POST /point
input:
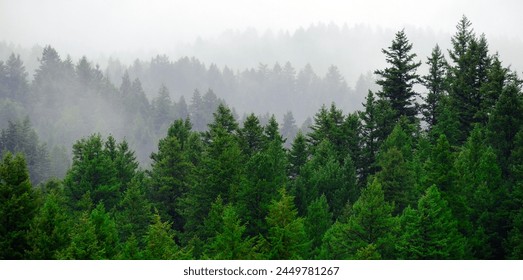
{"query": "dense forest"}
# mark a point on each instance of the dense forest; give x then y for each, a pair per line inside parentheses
(430, 168)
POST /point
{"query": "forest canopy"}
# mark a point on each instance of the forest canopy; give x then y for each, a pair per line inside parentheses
(431, 167)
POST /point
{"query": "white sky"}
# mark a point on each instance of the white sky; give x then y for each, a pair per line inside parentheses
(143, 25)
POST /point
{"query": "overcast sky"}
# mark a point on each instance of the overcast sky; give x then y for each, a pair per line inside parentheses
(100, 25)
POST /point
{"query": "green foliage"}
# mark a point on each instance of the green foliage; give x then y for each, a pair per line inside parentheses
(298, 155)
(20, 137)
(504, 122)
(317, 222)
(286, 238)
(84, 241)
(92, 172)
(263, 172)
(436, 84)
(17, 207)
(323, 174)
(171, 172)
(398, 79)
(134, 213)
(370, 223)
(159, 242)
(50, 228)
(431, 232)
(229, 242)
(251, 135)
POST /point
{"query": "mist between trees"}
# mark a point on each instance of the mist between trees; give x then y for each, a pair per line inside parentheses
(430, 167)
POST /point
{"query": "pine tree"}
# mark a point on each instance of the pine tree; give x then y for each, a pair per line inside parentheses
(171, 172)
(220, 171)
(397, 80)
(431, 231)
(159, 241)
(272, 132)
(16, 83)
(105, 231)
(286, 238)
(134, 213)
(92, 172)
(317, 222)
(298, 155)
(436, 84)
(396, 174)
(50, 228)
(229, 243)
(263, 173)
(370, 141)
(467, 75)
(289, 129)
(251, 135)
(162, 108)
(504, 122)
(370, 223)
(84, 242)
(17, 207)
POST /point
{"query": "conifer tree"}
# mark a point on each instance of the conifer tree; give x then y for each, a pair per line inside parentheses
(230, 243)
(370, 223)
(17, 207)
(398, 79)
(286, 238)
(84, 242)
(171, 173)
(50, 228)
(263, 172)
(317, 222)
(298, 155)
(160, 243)
(251, 135)
(436, 84)
(431, 231)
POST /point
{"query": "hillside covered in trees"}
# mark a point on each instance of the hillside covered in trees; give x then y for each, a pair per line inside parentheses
(430, 168)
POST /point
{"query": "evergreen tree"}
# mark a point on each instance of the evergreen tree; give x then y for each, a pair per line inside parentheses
(17, 207)
(396, 174)
(251, 135)
(20, 137)
(263, 172)
(171, 172)
(437, 229)
(287, 238)
(467, 75)
(219, 173)
(93, 173)
(84, 242)
(134, 213)
(289, 129)
(369, 135)
(298, 155)
(436, 84)
(50, 229)
(317, 222)
(230, 243)
(504, 122)
(397, 80)
(272, 132)
(16, 83)
(370, 223)
(162, 107)
(159, 241)
(105, 231)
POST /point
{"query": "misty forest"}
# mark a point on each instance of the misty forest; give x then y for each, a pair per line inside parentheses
(173, 159)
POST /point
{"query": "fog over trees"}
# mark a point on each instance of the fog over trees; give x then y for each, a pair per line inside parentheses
(327, 142)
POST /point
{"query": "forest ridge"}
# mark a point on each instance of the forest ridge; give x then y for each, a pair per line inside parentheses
(432, 175)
